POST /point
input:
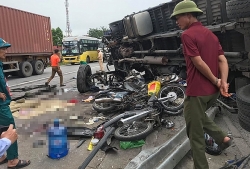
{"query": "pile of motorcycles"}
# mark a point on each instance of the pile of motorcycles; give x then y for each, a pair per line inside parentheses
(148, 102)
(140, 107)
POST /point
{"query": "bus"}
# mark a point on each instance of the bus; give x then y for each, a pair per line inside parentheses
(79, 48)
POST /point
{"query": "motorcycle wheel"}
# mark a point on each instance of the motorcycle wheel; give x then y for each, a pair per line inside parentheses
(132, 132)
(175, 103)
(104, 108)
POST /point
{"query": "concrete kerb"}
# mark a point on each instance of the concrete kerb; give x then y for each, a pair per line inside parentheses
(167, 155)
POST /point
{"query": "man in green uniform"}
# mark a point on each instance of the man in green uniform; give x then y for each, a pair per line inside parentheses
(207, 72)
(6, 117)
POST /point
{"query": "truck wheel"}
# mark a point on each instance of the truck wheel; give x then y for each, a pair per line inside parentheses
(83, 80)
(244, 122)
(38, 67)
(238, 9)
(26, 69)
(243, 103)
(243, 100)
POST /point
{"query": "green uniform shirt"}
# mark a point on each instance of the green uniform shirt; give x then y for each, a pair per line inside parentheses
(3, 88)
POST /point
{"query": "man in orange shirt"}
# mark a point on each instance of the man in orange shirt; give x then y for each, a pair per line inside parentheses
(55, 59)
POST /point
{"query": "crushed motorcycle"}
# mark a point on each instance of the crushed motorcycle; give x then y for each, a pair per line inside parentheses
(140, 125)
(131, 92)
(134, 92)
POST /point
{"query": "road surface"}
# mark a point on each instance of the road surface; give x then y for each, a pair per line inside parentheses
(69, 71)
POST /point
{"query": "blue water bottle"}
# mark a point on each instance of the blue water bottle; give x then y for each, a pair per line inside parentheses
(58, 143)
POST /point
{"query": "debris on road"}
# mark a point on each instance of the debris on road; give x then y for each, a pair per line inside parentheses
(131, 144)
(89, 99)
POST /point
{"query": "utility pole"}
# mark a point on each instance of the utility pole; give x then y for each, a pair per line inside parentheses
(68, 30)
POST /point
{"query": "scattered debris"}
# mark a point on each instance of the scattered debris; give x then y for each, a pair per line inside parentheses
(89, 99)
(131, 144)
(80, 143)
(94, 141)
(79, 132)
(39, 143)
(168, 123)
(236, 163)
(90, 146)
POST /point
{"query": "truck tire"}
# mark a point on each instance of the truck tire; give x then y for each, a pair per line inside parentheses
(83, 80)
(238, 9)
(243, 103)
(243, 100)
(26, 69)
(38, 67)
(244, 122)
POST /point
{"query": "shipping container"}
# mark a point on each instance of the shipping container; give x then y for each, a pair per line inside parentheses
(30, 38)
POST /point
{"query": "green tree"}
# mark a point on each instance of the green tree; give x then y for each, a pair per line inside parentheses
(57, 36)
(97, 32)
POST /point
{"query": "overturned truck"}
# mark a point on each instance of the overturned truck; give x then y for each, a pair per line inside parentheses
(149, 42)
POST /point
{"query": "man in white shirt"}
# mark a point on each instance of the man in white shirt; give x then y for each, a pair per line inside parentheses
(7, 138)
(100, 58)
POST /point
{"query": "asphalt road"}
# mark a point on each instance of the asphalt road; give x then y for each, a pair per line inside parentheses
(69, 71)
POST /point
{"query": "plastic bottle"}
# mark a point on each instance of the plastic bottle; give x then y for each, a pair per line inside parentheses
(90, 146)
(58, 143)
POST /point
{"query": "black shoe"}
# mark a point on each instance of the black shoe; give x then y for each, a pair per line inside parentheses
(46, 84)
(62, 85)
(211, 147)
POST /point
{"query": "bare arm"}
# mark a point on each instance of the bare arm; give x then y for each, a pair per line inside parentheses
(204, 69)
(223, 68)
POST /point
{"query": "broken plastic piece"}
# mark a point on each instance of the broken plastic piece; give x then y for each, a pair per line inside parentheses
(88, 99)
(80, 143)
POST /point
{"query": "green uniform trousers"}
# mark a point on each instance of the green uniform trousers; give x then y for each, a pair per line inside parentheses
(6, 119)
(197, 122)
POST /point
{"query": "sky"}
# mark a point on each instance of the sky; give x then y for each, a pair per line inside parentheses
(83, 14)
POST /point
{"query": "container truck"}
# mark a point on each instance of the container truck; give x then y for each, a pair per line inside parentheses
(30, 37)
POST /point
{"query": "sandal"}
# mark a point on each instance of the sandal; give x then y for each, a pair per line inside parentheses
(4, 161)
(224, 146)
(20, 164)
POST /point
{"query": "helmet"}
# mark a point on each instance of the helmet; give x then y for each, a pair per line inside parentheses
(186, 6)
(4, 44)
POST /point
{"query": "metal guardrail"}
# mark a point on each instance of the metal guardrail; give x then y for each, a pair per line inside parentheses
(167, 155)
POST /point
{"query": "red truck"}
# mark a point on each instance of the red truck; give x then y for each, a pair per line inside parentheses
(31, 42)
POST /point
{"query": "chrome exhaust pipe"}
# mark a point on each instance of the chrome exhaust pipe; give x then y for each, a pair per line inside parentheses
(108, 100)
(134, 118)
